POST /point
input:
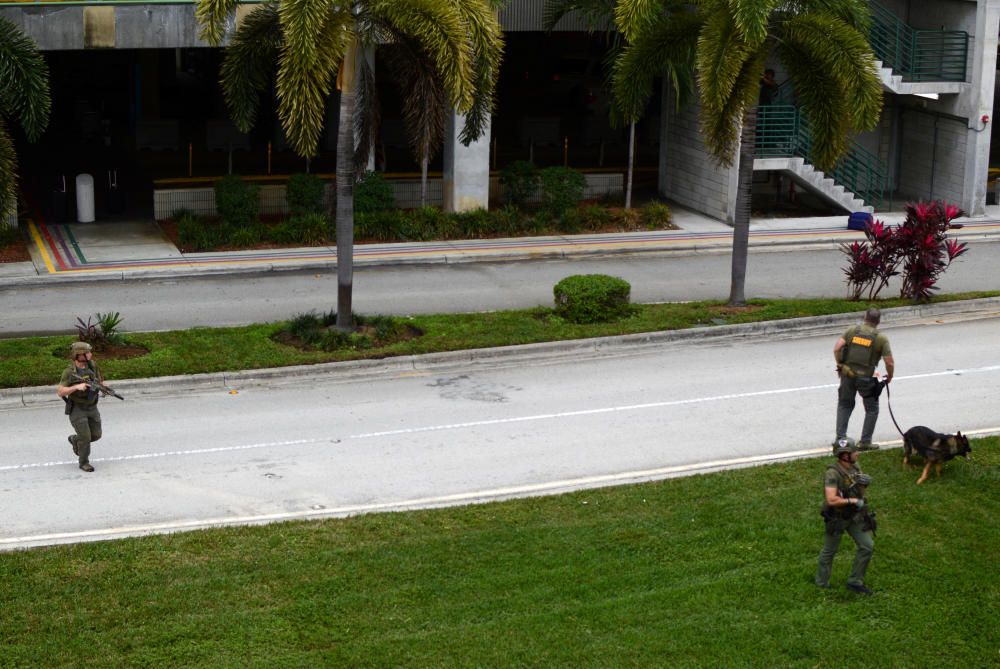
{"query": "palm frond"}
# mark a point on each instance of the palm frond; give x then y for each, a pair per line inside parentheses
(486, 38)
(721, 127)
(213, 15)
(634, 16)
(312, 50)
(753, 17)
(249, 62)
(425, 103)
(596, 14)
(24, 81)
(855, 13)
(367, 118)
(722, 56)
(666, 49)
(438, 27)
(8, 172)
(844, 54)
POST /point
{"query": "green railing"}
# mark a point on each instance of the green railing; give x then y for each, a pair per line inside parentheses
(918, 55)
(783, 131)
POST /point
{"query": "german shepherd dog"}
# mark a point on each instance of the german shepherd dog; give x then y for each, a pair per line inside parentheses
(934, 447)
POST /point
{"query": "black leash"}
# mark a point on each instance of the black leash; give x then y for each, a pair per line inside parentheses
(889, 404)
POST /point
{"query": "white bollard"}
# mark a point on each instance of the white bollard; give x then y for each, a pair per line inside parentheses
(84, 198)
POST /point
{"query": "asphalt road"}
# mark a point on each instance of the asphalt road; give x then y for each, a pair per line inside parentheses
(340, 446)
(469, 287)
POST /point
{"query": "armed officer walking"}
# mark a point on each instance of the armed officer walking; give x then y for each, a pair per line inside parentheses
(845, 509)
(857, 353)
(76, 389)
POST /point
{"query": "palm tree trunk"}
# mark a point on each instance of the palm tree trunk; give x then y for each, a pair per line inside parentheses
(345, 190)
(631, 161)
(423, 180)
(741, 221)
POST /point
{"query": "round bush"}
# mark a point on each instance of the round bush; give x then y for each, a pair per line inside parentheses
(304, 193)
(372, 193)
(519, 180)
(237, 201)
(561, 188)
(592, 298)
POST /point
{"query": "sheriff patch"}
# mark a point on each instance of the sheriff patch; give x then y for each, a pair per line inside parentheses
(861, 341)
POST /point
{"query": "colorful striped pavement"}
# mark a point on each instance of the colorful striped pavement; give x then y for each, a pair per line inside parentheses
(58, 252)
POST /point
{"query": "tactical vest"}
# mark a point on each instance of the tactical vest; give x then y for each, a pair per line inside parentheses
(860, 353)
(84, 398)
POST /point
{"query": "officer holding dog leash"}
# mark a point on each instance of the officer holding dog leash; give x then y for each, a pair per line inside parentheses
(857, 353)
(845, 509)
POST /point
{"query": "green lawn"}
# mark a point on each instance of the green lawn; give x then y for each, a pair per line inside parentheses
(38, 361)
(705, 571)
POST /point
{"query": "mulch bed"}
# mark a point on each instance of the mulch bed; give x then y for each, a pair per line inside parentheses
(409, 332)
(16, 251)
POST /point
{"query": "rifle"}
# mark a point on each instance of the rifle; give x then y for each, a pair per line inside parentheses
(97, 385)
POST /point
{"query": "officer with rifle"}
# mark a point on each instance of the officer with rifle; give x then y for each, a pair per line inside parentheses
(845, 509)
(80, 386)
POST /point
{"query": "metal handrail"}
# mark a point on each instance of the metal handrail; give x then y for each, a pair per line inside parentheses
(783, 131)
(918, 55)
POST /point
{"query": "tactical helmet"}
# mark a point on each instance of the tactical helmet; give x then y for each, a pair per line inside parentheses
(79, 348)
(845, 445)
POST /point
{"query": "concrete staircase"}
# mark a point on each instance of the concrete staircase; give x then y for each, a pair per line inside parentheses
(815, 180)
(894, 82)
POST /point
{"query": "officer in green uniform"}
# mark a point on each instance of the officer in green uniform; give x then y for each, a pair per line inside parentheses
(81, 401)
(845, 509)
(857, 353)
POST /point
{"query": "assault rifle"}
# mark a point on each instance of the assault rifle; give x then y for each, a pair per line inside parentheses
(97, 385)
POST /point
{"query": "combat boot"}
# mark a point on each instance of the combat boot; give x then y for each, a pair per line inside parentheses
(867, 446)
(72, 442)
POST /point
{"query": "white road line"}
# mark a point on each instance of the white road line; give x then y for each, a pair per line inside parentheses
(409, 504)
(495, 421)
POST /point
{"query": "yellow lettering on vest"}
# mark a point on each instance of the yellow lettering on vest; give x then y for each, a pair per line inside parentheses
(861, 341)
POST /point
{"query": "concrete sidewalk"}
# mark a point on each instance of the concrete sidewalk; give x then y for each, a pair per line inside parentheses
(140, 250)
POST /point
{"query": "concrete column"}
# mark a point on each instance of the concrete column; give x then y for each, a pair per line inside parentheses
(466, 168)
(984, 64)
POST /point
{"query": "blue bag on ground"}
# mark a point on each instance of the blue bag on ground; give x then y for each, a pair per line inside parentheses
(859, 220)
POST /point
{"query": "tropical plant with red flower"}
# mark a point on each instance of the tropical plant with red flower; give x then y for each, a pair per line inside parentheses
(926, 252)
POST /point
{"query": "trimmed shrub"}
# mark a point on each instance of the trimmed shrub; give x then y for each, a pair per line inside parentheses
(508, 221)
(472, 224)
(237, 201)
(561, 188)
(249, 236)
(304, 194)
(423, 224)
(372, 193)
(519, 180)
(629, 220)
(571, 221)
(656, 216)
(592, 298)
(309, 228)
(596, 217)
(382, 226)
(195, 233)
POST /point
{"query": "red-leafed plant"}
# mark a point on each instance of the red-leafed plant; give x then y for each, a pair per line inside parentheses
(926, 251)
(920, 245)
(873, 262)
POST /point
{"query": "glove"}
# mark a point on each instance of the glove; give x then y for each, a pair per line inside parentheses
(861, 503)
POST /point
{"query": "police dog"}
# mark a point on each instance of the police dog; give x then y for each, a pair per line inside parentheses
(935, 448)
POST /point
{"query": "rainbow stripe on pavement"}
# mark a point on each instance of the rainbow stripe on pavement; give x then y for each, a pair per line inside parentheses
(61, 253)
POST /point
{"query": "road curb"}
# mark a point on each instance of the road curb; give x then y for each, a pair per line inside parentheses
(540, 353)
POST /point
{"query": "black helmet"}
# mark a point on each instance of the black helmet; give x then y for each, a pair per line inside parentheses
(844, 445)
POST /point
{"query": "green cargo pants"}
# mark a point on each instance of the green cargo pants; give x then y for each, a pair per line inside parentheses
(866, 546)
(87, 423)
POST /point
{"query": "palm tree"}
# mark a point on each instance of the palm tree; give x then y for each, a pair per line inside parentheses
(823, 47)
(24, 95)
(660, 44)
(312, 42)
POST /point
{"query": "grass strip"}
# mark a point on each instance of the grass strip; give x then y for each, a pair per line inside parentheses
(706, 571)
(36, 361)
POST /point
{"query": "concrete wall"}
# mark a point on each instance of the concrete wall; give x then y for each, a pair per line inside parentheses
(929, 170)
(689, 175)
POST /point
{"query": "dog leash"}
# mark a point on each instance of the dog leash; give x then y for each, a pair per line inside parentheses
(888, 403)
